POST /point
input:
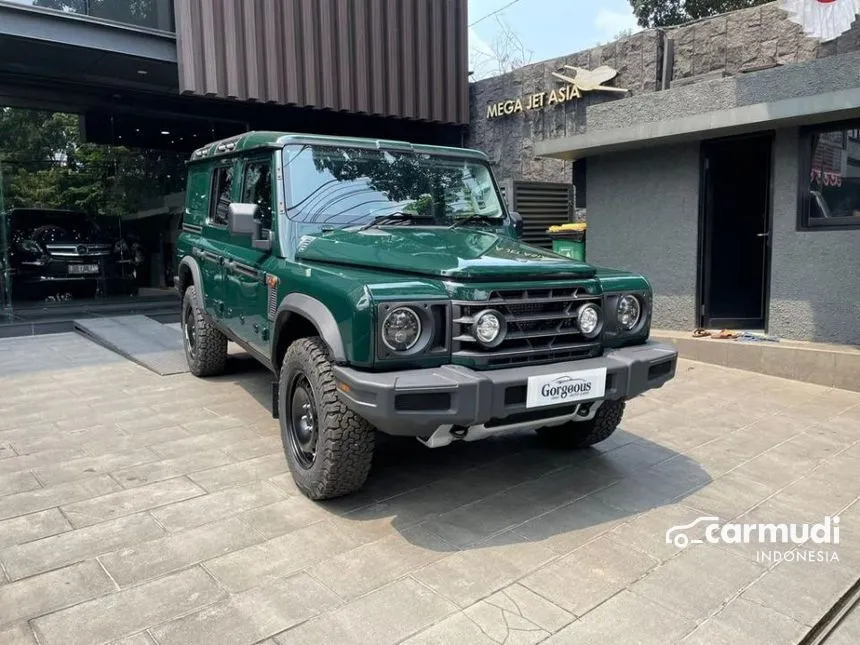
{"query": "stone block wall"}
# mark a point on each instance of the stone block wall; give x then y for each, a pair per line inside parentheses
(509, 139)
(747, 40)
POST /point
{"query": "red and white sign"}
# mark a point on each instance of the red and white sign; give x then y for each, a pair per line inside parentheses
(822, 19)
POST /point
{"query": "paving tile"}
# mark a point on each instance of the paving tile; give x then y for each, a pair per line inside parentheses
(90, 466)
(48, 592)
(54, 439)
(214, 506)
(240, 473)
(677, 584)
(374, 565)
(44, 498)
(19, 482)
(455, 630)
(157, 557)
(383, 617)
(255, 448)
(647, 532)
(467, 576)
(729, 496)
(20, 634)
(571, 526)
(198, 443)
(597, 571)
(129, 611)
(283, 517)
(213, 424)
(138, 639)
(251, 616)
(32, 527)
(803, 591)
(6, 450)
(126, 442)
(154, 471)
(73, 546)
(279, 557)
(518, 615)
(620, 617)
(742, 622)
(126, 502)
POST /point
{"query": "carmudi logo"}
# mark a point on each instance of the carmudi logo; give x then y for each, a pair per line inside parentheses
(564, 387)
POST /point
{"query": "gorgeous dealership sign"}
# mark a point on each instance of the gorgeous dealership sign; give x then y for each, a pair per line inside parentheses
(574, 87)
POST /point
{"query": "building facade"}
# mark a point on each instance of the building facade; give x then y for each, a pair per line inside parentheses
(728, 173)
(166, 76)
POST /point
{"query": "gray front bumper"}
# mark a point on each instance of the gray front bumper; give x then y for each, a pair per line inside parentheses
(417, 402)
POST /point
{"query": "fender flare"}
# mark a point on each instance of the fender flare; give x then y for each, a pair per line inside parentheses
(320, 317)
(196, 276)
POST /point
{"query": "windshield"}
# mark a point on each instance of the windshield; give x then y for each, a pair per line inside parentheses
(344, 186)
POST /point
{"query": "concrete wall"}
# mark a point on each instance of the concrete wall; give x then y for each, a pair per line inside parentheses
(643, 216)
(808, 78)
(815, 275)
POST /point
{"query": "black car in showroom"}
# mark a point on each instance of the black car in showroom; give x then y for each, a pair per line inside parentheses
(62, 254)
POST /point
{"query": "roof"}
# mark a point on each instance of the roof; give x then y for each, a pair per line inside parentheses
(269, 139)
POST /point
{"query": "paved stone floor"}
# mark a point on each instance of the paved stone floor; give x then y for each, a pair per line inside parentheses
(143, 509)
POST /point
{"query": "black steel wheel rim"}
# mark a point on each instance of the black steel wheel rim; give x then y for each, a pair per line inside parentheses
(190, 332)
(302, 425)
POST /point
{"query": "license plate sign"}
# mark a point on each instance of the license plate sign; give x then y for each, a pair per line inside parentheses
(83, 269)
(567, 387)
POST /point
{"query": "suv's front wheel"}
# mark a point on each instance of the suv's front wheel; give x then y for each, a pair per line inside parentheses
(329, 448)
(205, 346)
(581, 434)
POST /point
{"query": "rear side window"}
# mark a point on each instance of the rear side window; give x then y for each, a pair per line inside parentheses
(197, 191)
(222, 186)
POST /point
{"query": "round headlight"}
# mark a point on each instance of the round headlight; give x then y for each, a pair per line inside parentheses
(489, 328)
(629, 312)
(401, 329)
(588, 320)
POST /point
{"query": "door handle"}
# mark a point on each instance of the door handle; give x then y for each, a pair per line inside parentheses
(762, 234)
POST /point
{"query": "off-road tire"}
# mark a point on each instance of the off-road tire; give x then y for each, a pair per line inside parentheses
(345, 441)
(209, 356)
(582, 434)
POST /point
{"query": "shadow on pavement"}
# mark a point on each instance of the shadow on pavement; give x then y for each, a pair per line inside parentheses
(508, 489)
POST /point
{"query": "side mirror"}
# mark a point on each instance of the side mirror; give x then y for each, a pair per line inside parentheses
(517, 220)
(243, 219)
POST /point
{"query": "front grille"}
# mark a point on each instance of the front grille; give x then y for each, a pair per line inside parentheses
(541, 327)
(78, 250)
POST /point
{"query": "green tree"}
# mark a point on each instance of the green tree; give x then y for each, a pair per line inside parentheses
(664, 13)
(46, 165)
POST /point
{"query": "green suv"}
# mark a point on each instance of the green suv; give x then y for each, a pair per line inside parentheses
(385, 286)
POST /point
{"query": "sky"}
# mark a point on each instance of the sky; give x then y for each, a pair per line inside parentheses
(546, 28)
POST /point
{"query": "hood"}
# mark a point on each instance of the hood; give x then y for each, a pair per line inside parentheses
(461, 253)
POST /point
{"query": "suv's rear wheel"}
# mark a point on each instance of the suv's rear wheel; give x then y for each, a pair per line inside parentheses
(581, 434)
(328, 447)
(205, 346)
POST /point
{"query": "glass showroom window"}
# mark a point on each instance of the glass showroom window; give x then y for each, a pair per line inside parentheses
(830, 178)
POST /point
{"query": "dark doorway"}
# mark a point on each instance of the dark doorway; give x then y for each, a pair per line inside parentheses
(735, 232)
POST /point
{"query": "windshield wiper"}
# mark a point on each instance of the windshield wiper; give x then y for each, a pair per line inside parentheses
(397, 216)
(474, 216)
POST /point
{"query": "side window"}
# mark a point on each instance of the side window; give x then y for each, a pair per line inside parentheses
(257, 189)
(222, 185)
